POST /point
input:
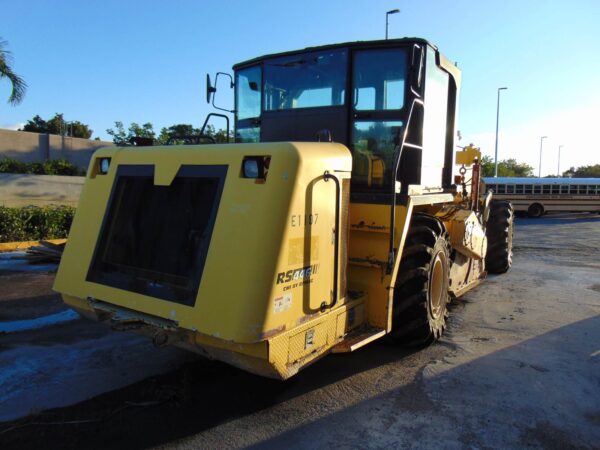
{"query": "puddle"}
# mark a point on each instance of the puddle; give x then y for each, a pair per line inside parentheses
(8, 262)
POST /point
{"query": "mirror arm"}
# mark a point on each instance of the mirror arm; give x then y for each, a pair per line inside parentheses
(231, 86)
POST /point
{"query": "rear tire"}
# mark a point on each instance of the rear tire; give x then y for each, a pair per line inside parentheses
(536, 210)
(421, 294)
(499, 232)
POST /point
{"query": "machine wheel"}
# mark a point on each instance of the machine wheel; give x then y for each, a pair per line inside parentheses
(499, 233)
(535, 210)
(421, 293)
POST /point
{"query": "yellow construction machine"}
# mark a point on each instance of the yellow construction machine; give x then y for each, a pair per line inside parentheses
(341, 214)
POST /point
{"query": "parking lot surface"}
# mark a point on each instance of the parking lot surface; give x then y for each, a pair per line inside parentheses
(519, 367)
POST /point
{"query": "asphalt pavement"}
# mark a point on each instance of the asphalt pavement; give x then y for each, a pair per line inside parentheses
(519, 367)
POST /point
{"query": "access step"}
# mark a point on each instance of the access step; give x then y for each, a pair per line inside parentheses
(357, 339)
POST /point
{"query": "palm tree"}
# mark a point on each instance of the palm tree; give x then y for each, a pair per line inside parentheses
(18, 84)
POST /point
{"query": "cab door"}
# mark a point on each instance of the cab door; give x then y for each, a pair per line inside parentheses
(377, 108)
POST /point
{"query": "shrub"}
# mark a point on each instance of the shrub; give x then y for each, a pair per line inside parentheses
(60, 167)
(34, 223)
(52, 167)
(12, 166)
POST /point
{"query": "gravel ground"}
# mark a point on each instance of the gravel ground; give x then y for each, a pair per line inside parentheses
(518, 368)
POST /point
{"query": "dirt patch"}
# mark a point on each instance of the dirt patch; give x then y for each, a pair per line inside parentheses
(18, 285)
(595, 287)
(28, 296)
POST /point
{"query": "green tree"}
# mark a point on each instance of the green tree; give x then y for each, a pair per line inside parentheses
(58, 125)
(220, 136)
(122, 137)
(583, 172)
(18, 84)
(176, 134)
(186, 134)
(506, 168)
(36, 125)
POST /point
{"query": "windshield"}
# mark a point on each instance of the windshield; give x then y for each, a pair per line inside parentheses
(305, 81)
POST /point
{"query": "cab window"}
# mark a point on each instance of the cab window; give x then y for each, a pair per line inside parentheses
(248, 82)
(379, 77)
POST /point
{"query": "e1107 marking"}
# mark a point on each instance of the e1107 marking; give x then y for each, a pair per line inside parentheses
(306, 220)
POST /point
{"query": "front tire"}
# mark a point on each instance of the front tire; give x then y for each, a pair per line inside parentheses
(421, 294)
(499, 232)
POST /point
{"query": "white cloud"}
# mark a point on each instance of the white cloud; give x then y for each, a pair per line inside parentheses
(576, 129)
(14, 126)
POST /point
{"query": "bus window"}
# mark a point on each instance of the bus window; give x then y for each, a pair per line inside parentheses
(555, 189)
(582, 189)
(546, 189)
(510, 188)
(519, 189)
(537, 189)
(501, 189)
(492, 187)
(528, 189)
(564, 189)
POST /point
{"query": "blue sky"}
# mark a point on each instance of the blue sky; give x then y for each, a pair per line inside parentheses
(145, 61)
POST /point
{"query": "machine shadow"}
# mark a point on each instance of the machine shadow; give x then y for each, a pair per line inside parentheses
(520, 407)
(196, 397)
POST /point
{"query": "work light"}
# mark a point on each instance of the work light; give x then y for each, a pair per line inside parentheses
(255, 166)
(103, 165)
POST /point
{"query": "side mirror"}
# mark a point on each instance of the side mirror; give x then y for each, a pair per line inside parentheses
(210, 89)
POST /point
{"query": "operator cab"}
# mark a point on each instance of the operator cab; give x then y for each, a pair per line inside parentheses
(392, 103)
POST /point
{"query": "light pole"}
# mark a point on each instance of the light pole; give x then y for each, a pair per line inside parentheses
(558, 169)
(497, 120)
(393, 11)
(541, 146)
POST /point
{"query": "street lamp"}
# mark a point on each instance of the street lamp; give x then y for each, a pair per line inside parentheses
(558, 169)
(393, 11)
(541, 145)
(497, 119)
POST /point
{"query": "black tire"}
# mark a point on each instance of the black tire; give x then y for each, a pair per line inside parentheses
(421, 293)
(499, 231)
(535, 210)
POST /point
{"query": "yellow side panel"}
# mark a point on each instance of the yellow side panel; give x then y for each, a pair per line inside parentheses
(368, 257)
(305, 342)
(292, 350)
(348, 320)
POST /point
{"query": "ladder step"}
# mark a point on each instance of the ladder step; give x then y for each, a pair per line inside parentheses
(357, 339)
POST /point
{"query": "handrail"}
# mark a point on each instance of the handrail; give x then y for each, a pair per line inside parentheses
(338, 190)
(216, 115)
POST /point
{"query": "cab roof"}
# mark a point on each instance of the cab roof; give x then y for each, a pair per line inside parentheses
(443, 62)
(352, 45)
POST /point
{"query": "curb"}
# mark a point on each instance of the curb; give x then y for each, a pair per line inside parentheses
(14, 246)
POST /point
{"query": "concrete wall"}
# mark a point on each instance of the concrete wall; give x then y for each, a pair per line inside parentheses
(35, 147)
(39, 190)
